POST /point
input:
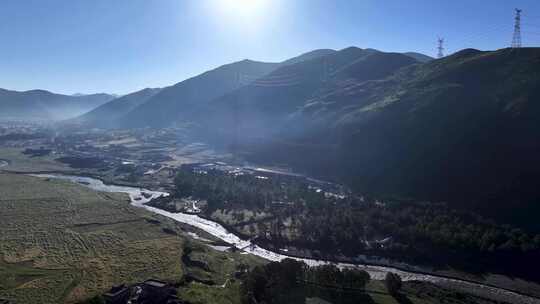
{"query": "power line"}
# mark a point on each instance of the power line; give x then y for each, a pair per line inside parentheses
(529, 17)
(265, 85)
(532, 33)
(518, 30)
(489, 29)
(270, 80)
(268, 77)
(491, 36)
(524, 25)
(480, 35)
(516, 39)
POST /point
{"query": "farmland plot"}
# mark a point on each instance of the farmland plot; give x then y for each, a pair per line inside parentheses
(61, 242)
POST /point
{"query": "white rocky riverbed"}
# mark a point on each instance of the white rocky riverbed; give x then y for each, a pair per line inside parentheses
(377, 272)
(3, 163)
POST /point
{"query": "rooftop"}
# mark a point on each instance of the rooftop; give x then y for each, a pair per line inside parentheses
(155, 283)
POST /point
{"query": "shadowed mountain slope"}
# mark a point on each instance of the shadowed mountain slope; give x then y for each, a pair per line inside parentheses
(259, 108)
(44, 105)
(463, 129)
(107, 115)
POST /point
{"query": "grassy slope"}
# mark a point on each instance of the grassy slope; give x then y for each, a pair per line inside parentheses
(25, 163)
(222, 267)
(57, 247)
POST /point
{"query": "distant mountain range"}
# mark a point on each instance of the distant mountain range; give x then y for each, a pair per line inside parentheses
(172, 105)
(149, 107)
(261, 108)
(462, 129)
(176, 103)
(108, 114)
(43, 105)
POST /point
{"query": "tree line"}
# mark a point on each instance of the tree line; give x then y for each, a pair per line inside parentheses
(291, 281)
(418, 232)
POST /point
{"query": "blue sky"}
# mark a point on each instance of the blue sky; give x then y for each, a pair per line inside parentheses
(119, 46)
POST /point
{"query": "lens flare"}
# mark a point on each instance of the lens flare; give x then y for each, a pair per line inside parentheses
(244, 9)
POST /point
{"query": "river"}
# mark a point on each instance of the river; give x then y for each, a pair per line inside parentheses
(376, 272)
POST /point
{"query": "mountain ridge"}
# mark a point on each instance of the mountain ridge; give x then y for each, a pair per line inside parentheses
(45, 105)
(107, 114)
(416, 133)
(256, 107)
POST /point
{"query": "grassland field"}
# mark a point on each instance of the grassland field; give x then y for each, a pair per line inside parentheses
(61, 243)
(19, 162)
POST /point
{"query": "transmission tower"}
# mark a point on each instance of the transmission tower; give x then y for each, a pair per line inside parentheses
(516, 39)
(440, 48)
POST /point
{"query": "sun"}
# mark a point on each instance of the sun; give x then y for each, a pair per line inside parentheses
(244, 9)
(243, 17)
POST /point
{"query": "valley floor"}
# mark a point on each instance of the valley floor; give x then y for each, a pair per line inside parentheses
(57, 247)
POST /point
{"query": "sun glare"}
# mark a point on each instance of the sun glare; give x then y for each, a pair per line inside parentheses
(244, 9)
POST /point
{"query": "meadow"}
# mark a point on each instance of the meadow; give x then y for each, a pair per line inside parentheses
(20, 162)
(61, 242)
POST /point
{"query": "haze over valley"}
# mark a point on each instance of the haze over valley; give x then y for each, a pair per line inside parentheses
(356, 171)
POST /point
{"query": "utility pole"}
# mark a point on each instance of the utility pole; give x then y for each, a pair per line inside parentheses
(440, 48)
(516, 39)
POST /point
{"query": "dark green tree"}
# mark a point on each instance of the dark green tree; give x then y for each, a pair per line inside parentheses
(393, 283)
